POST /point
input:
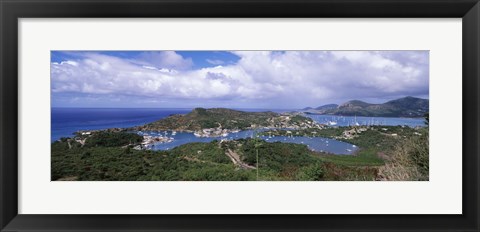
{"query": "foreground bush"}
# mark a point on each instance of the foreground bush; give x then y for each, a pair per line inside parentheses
(409, 160)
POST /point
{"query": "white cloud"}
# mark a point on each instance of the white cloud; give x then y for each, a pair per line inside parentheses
(282, 77)
(164, 60)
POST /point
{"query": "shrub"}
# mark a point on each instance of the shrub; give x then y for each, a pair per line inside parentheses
(410, 160)
(312, 172)
(112, 139)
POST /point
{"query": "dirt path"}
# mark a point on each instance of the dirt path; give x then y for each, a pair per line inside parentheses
(82, 142)
(236, 160)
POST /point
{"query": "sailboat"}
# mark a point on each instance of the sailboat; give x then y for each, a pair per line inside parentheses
(356, 123)
(331, 123)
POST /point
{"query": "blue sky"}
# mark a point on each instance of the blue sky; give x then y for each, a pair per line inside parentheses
(200, 59)
(236, 79)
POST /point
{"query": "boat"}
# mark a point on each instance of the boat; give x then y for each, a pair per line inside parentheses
(331, 123)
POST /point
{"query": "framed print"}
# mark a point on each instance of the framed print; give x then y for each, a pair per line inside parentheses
(250, 116)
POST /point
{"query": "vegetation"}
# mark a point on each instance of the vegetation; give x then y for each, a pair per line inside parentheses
(201, 118)
(409, 160)
(379, 147)
(195, 162)
(385, 153)
(112, 139)
(113, 163)
(311, 172)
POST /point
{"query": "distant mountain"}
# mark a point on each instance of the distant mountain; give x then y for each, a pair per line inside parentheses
(327, 107)
(320, 109)
(409, 103)
(402, 107)
(354, 104)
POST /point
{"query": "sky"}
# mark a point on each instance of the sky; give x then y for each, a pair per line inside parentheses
(234, 79)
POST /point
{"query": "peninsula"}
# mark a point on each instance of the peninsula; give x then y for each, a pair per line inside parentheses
(221, 121)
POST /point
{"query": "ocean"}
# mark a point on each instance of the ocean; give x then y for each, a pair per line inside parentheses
(66, 121)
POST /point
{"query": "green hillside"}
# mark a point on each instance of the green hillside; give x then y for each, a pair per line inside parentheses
(201, 118)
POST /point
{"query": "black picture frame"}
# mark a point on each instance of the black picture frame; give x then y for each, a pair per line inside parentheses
(12, 10)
